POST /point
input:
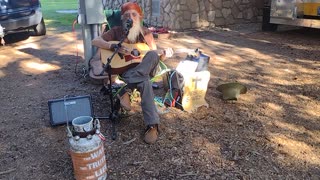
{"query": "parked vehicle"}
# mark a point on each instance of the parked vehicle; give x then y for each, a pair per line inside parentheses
(303, 13)
(17, 15)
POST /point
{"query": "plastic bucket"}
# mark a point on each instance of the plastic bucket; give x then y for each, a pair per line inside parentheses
(83, 124)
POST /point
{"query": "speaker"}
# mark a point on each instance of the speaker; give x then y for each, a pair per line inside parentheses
(66, 109)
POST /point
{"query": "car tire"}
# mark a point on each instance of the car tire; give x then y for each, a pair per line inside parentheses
(40, 29)
(266, 25)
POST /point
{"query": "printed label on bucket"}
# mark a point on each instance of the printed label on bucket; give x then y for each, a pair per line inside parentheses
(90, 165)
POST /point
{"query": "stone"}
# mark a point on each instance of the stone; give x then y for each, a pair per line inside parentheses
(174, 10)
(183, 2)
(194, 25)
(164, 3)
(226, 4)
(208, 5)
(184, 8)
(187, 15)
(184, 14)
(220, 21)
(172, 17)
(211, 16)
(217, 3)
(259, 18)
(204, 15)
(230, 20)
(202, 7)
(226, 12)
(166, 24)
(177, 25)
(166, 17)
(212, 25)
(178, 7)
(167, 8)
(218, 14)
(235, 11)
(245, 1)
(194, 18)
(242, 7)
(203, 23)
(249, 14)
(186, 24)
(193, 6)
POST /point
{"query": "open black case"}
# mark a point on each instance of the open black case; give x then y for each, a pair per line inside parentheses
(66, 109)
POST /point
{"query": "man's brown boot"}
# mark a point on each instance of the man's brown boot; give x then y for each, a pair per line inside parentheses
(151, 135)
(125, 101)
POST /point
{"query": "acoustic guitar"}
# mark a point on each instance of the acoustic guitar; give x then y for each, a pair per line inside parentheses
(121, 64)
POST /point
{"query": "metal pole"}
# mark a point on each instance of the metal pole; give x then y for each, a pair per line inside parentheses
(90, 16)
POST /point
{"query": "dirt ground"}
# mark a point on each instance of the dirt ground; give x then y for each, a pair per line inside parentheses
(272, 132)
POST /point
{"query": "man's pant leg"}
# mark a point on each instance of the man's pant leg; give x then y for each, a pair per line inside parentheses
(149, 109)
(144, 70)
(139, 77)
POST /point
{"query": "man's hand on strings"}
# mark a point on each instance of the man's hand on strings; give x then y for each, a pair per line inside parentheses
(122, 49)
(113, 47)
(167, 53)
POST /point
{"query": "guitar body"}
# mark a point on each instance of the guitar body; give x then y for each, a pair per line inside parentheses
(121, 64)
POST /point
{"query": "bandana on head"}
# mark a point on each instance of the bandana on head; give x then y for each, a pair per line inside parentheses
(131, 6)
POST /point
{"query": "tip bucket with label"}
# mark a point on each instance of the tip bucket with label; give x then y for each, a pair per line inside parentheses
(87, 149)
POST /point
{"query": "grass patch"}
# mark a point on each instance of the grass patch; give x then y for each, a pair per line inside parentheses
(53, 19)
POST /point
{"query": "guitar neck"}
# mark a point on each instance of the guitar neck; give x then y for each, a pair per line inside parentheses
(143, 48)
(174, 51)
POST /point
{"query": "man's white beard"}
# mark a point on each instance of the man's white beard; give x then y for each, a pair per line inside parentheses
(134, 32)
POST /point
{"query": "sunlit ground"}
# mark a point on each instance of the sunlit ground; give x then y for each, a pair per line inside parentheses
(60, 44)
(267, 74)
(286, 117)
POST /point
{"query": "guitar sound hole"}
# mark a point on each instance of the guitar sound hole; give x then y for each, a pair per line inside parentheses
(135, 52)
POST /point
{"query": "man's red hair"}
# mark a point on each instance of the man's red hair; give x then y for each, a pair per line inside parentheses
(131, 6)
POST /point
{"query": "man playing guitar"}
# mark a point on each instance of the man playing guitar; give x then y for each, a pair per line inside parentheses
(136, 76)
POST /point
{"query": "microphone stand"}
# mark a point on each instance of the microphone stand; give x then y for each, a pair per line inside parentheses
(115, 105)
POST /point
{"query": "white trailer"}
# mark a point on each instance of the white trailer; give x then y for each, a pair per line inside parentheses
(304, 13)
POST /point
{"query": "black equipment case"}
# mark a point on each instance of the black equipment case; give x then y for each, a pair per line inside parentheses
(66, 109)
